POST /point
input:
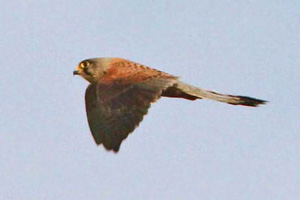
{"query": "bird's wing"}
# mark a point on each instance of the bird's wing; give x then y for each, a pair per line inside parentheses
(116, 105)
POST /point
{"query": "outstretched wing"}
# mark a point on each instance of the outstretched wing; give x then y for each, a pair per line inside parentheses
(116, 106)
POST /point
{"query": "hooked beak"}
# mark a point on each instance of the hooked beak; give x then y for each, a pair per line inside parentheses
(76, 72)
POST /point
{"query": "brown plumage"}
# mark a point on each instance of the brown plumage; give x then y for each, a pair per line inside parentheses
(121, 92)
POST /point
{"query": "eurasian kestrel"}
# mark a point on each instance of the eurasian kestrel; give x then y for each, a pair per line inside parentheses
(121, 91)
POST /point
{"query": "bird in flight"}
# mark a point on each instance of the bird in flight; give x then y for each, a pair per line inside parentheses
(121, 91)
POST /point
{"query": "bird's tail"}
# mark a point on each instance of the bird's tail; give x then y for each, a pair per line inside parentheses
(190, 92)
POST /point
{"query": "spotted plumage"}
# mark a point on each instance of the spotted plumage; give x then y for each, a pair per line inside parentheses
(121, 92)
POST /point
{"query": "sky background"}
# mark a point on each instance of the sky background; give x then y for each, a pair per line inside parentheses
(183, 149)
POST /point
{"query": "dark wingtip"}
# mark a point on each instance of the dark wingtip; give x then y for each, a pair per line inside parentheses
(116, 148)
(249, 101)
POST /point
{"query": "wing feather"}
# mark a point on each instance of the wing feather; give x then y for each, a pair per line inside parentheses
(116, 107)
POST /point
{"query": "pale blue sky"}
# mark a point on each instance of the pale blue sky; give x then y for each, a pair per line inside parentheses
(182, 149)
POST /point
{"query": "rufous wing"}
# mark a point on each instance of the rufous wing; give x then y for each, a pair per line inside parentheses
(116, 105)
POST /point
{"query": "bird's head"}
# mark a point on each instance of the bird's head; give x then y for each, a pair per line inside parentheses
(90, 69)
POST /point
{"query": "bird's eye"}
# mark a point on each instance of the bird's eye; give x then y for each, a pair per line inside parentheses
(84, 65)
